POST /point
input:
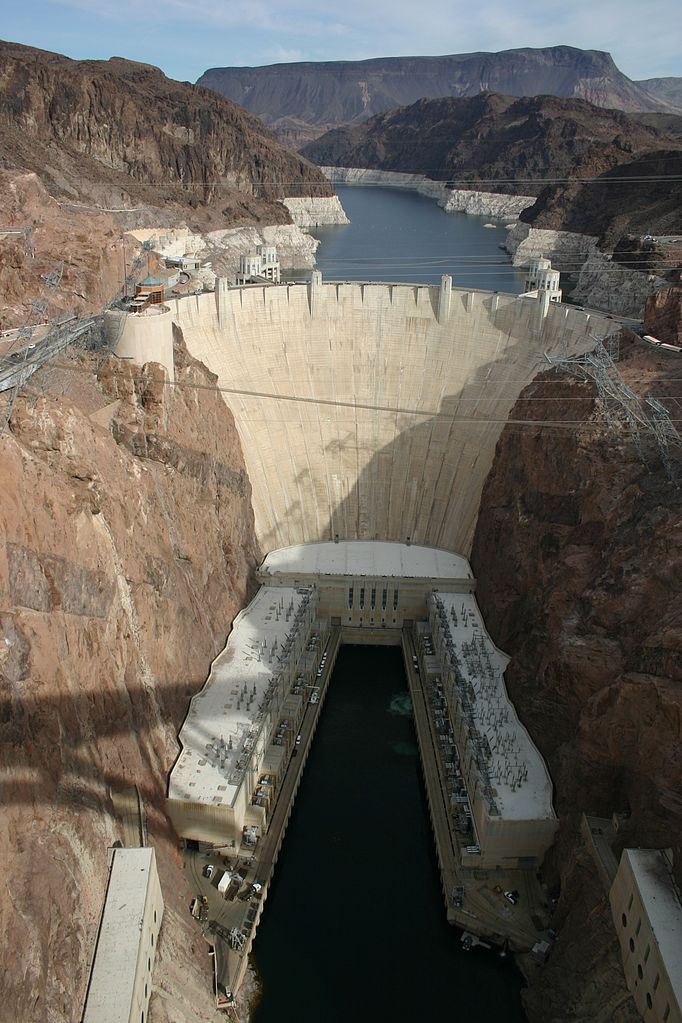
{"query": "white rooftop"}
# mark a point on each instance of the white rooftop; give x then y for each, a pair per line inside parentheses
(224, 719)
(113, 973)
(518, 776)
(652, 875)
(368, 559)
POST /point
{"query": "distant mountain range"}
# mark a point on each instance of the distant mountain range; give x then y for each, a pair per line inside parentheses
(667, 89)
(300, 101)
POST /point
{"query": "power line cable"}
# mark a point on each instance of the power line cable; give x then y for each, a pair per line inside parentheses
(372, 407)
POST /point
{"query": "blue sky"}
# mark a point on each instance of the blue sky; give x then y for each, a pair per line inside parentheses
(184, 37)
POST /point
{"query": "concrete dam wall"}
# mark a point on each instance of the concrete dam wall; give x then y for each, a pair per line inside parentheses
(371, 411)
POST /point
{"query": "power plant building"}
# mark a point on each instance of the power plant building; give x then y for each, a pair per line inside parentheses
(369, 585)
(121, 977)
(241, 725)
(647, 914)
(238, 733)
(508, 788)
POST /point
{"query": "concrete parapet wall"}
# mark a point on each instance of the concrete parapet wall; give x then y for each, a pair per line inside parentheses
(364, 416)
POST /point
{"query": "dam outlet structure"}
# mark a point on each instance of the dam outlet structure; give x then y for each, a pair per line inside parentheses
(248, 732)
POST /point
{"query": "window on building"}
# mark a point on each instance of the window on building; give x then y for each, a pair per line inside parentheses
(639, 926)
(647, 950)
(632, 944)
(350, 596)
(395, 599)
(656, 980)
(373, 598)
(640, 971)
(649, 1001)
(384, 598)
(630, 902)
(362, 597)
(624, 920)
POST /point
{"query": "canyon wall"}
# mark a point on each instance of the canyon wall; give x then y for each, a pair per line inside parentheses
(372, 410)
(128, 547)
(578, 556)
(566, 249)
(609, 285)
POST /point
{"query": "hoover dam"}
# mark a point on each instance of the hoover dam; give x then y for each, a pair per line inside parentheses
(368, 415)
(371, 411)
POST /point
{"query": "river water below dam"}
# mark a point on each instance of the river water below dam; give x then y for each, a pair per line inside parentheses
(354, 927)
(397, 235)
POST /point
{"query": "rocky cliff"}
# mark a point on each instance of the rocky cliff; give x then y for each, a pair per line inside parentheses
(594, 171)
(119, 134)
(640, 195)
(301, 100)
(578, 554)
(490, 138)
(663, 315)
(667, 89)
(127, 549)
(91, 148)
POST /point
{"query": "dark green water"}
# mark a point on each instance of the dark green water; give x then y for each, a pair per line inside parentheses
(354, 928)
(402, 236)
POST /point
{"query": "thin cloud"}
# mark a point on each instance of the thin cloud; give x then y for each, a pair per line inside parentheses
(189, 37)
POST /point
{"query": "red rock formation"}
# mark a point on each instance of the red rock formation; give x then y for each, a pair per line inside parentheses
(88, 247)
(127, 551)
(578, 553)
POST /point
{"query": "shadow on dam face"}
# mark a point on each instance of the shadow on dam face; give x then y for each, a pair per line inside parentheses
(364, 411)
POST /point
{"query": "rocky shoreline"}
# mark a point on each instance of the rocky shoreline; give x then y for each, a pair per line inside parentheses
(314, 211)
(485, 204)
(296, 248)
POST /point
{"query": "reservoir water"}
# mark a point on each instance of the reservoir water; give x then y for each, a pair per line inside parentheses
(354, 927)
(397, 235)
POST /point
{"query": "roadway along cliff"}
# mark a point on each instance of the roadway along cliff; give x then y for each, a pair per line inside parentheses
(578, 554)
(128, 548)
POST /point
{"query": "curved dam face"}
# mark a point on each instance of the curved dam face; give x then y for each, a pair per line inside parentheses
(371, 411)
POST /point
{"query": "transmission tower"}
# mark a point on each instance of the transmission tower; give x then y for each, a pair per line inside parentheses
(623, 410)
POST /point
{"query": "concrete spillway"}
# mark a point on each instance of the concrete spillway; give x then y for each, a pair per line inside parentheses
(371, 411)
